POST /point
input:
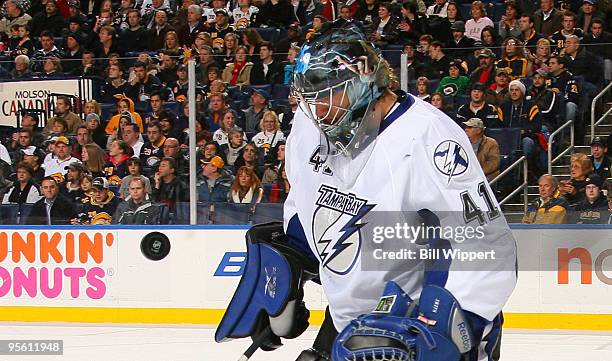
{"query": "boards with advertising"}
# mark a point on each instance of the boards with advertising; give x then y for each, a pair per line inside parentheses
(101, 275)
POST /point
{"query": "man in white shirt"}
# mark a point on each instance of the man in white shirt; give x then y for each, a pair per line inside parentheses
(131, 135)
(62, 158)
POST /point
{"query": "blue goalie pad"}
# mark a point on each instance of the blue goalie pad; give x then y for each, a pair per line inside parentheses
(394, 331)
(271, 286)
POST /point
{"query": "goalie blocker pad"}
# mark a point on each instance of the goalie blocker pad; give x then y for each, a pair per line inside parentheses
(399, 330)
(270, 291)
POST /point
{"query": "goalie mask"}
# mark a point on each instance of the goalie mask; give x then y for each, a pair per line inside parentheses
(338, 78)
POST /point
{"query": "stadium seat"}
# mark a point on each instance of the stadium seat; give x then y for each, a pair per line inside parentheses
(231, 213)
(174, 107)
(509, 140)
(393, 54)
(280, 91)
(108, 109)
(268, 34)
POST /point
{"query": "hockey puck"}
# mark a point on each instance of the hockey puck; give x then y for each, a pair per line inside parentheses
(155, 246)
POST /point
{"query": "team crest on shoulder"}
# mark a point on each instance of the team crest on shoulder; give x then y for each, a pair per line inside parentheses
(450, 159)
(336, 225)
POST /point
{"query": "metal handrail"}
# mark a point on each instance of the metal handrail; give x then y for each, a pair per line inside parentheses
(593, 103)
(569, 123)
(522, 187)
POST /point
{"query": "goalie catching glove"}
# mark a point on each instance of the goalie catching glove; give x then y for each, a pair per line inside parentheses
(399, 330)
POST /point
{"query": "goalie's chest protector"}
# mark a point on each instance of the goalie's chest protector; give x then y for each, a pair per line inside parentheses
(400, 175)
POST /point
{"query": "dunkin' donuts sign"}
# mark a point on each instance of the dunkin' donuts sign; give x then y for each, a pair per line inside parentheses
(50, 265)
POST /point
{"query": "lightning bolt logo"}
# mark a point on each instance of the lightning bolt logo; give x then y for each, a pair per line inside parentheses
(450, 159)
(345, 240)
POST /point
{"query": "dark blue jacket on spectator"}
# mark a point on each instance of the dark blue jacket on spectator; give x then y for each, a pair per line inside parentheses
(218, 192)
(525, 115)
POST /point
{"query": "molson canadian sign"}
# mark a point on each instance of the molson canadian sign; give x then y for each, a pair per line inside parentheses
(56, 264)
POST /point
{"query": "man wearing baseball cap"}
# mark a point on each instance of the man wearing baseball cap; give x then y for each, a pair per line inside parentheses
(455, 83)
(61, 157)
(32, 156)
(213, 183)
(486, 149)
(599, 157)
(594, 208)
(220, 28)
(100, 207)
(485, 72)
(461, 43)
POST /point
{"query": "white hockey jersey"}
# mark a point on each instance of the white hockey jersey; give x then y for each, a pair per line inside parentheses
(421, 160)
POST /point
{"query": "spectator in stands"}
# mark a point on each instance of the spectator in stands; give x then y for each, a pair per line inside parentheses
(499, 91)
(254, 114)
(437, 9)
(168, 188)
(249, 157)
(594, 208)
(289, 65)
(573, 189)
(57, 164)
(138, 207)
(21, 139)
(233, 148)
(135, 171)
(563, 83)
(587, 14)
(143, 85)
(478, 108)
(414, 61)
(100, 207)
(32, 157)
(125, 109)
(474, 26)
(598, 41)
(116, 166)
(156, 103)
(156, 35)
(243, 13)
(89, 66)
(24, 190)
(252, 41)
(455, 83)
(47, 49)
(171, 42)
(195, 24)
(71, 61)
(547, 18)
(541, 55)
(519, 112)
(213, 183)
(246, 187)
(485, 148)
(422, 89)
(514, 60)
(485, 73)
(149, 9)
(582, 63)
(546, 99)
(267, 71)
(93, 158)
(207, 60)
(217, 106)
(270, 133)
(48, 20)
(462, 44)
(172, 150)
(569, 22)
(83, 136)
(272, 162)
(71, 188)
(439, 102)
(412, 25)
(54, 208)
(600, 159)
(107, 43)
(437, 66)
(529, 36)
(509, 23)
(134, 37)
(230, 45)
(131, 135)
(549, 208)
(152, 151)
(92, 121)
(384, 27)
(115, 85)
(15, 15)
(52, 68)
(21, 70)
(219, 29)
(279, 14)
(220, 135)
